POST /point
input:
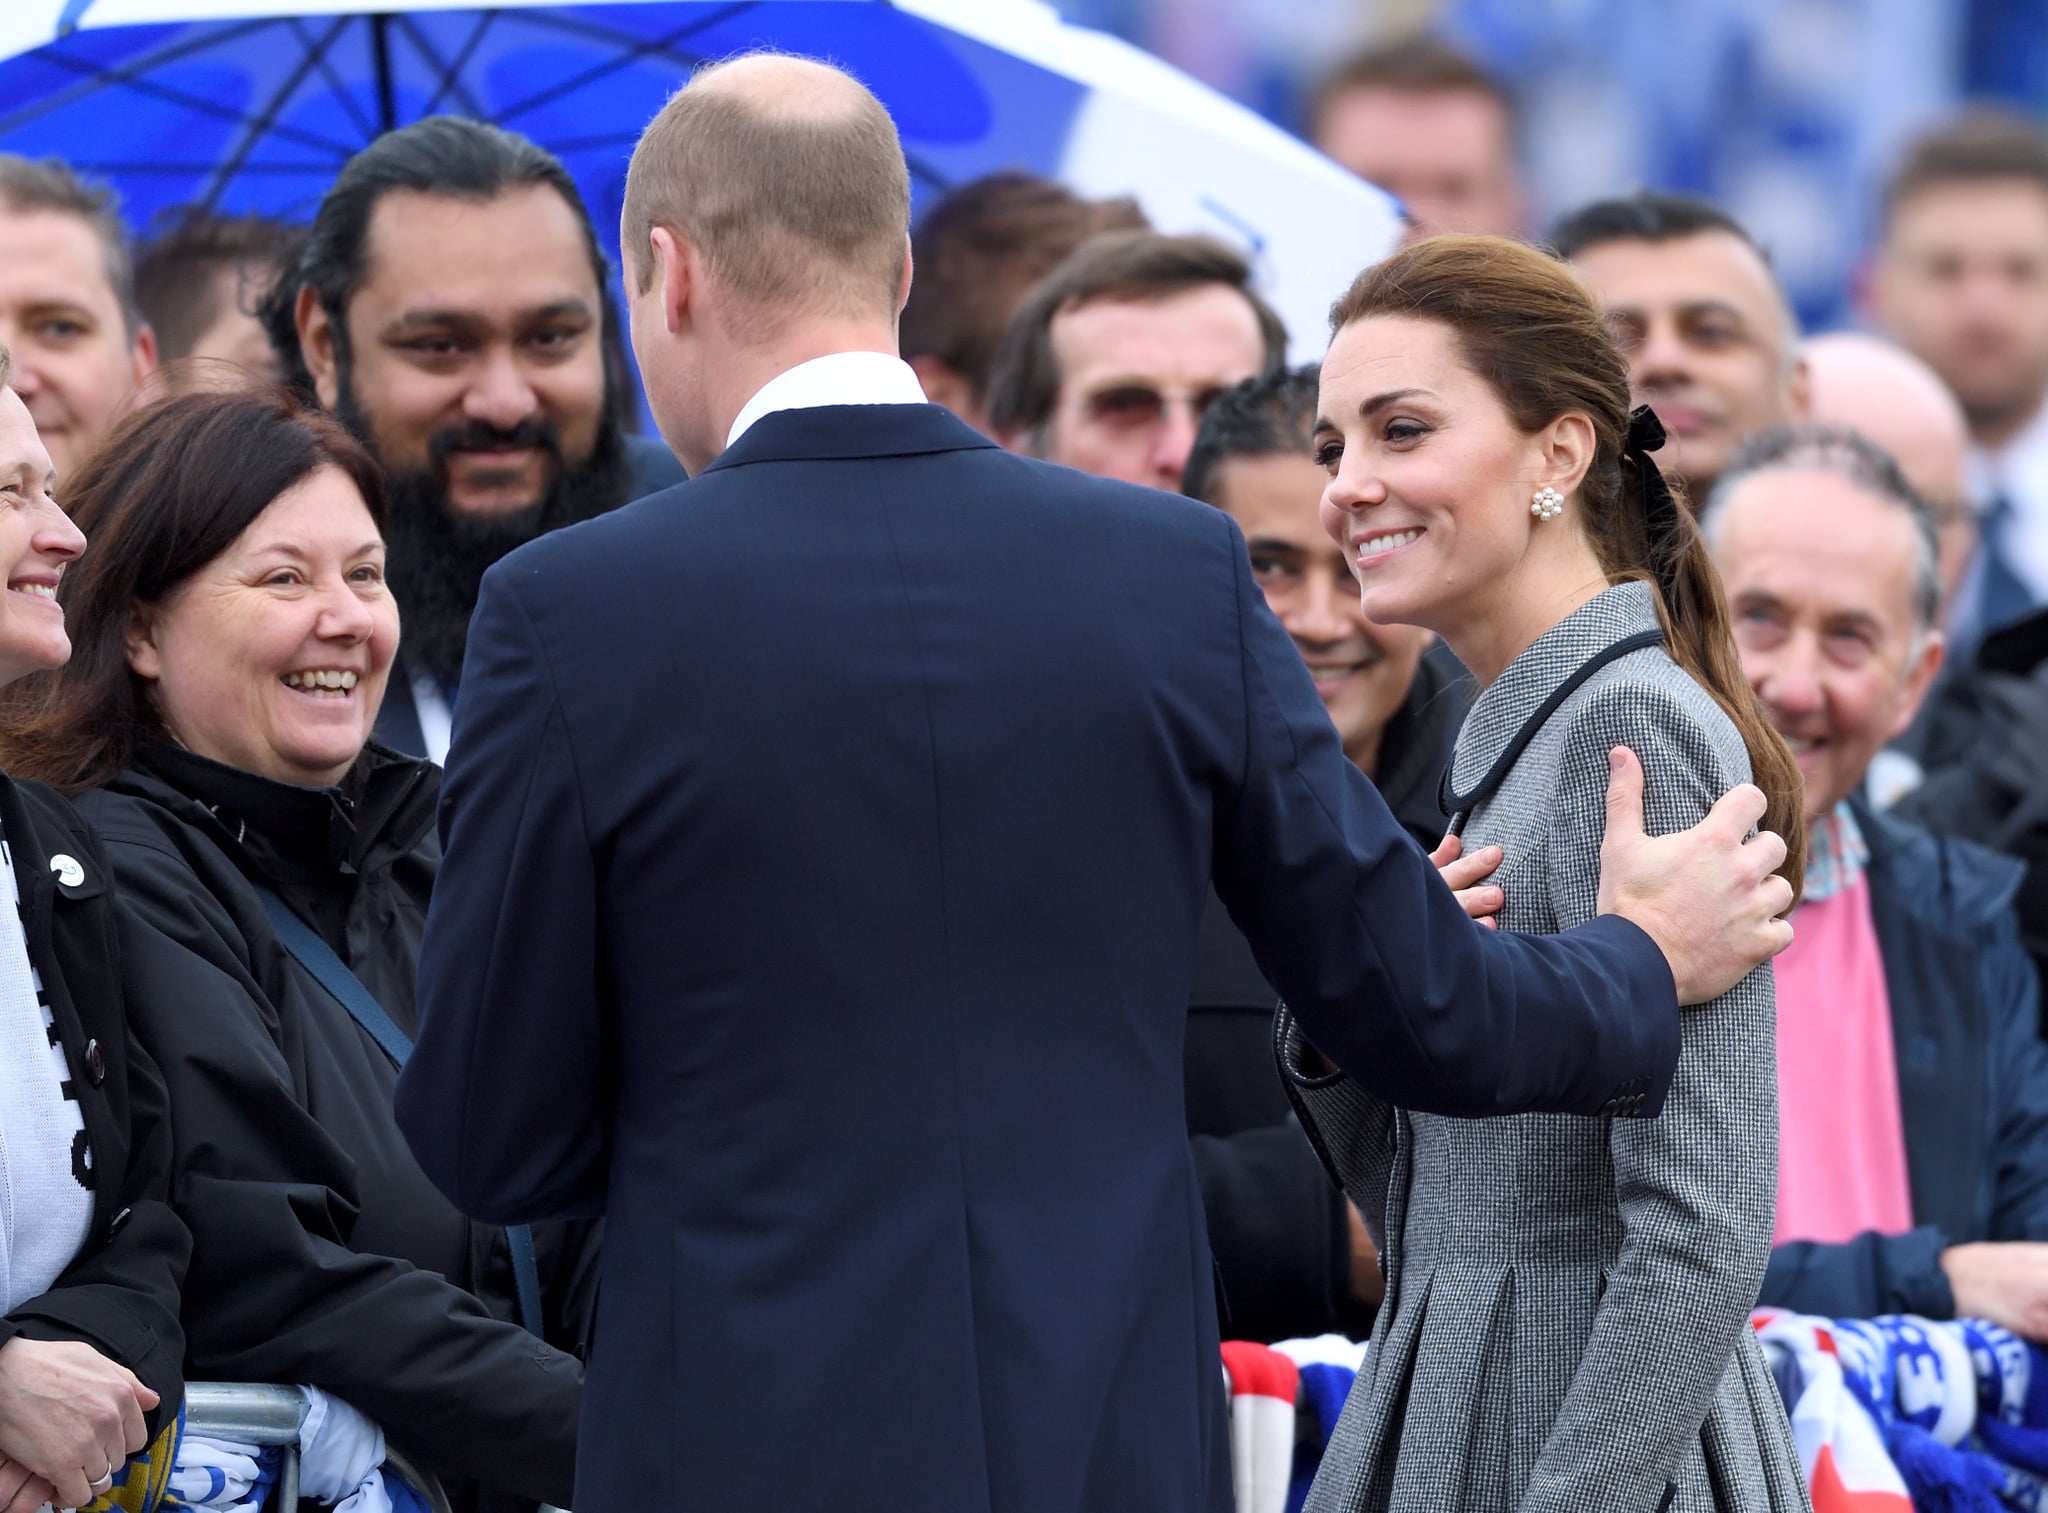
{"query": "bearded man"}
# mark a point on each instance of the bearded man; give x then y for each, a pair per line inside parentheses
(448, 305)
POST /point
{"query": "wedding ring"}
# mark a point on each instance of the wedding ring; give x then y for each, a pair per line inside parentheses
(103, 1484)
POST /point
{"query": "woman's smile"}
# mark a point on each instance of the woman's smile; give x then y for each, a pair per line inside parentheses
(1377, 545)
(322, 682)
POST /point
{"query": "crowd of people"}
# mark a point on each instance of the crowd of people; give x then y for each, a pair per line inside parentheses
(238, 457)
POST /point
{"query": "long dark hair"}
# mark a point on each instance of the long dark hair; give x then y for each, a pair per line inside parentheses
(1525, 324)
(167, 492)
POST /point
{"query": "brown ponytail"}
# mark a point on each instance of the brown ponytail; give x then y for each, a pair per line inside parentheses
(1525, 324)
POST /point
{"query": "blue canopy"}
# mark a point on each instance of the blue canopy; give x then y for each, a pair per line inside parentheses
(253, 105)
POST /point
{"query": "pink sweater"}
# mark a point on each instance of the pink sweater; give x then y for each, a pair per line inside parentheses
(1841, 1145)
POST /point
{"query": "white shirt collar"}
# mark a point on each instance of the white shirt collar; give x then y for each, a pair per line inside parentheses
(2020, 465)
(839, 378)
(2018, 472)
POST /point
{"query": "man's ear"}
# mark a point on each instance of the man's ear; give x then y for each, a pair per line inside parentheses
(903, 289)
(1920, 678)
(144, 358)
(678, 276)
(1799, 390)
(140, 639)
(317, 347)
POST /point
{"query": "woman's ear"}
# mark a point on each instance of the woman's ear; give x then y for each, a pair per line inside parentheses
(140, 638)
(1567, 445)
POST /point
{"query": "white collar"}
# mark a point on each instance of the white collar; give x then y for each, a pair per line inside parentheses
(2020, 466)
(838, 378)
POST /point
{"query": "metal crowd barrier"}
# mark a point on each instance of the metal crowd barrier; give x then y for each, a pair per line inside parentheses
(252, 1413)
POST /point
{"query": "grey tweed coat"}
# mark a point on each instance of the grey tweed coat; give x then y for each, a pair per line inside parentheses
(1566, 1320)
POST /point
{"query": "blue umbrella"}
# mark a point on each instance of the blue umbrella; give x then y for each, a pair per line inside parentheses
(252, 105)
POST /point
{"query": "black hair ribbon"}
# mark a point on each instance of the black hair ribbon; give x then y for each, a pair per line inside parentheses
(1660, 506)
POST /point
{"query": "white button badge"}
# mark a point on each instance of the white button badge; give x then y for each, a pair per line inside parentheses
(69, 873)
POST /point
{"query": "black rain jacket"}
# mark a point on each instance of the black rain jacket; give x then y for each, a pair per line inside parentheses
(322, 1254)
(120, 1295)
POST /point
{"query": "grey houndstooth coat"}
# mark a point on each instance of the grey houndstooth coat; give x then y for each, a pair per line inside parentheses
(1566, 1321)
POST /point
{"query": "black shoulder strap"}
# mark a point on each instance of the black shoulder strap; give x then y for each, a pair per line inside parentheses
(333, 974)
(1454, 804)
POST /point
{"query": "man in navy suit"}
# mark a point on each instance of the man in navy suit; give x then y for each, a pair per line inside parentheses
(827, 838)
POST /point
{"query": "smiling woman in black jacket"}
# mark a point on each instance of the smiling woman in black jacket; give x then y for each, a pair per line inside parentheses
(215, 722)
(90, 1252)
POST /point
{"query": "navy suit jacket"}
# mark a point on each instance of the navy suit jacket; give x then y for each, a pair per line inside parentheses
(826, 841)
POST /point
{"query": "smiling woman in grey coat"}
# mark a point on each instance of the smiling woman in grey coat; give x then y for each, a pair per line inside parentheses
(1565, 1325)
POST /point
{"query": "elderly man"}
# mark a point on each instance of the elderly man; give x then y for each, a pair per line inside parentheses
(1712, 343)
(1913, 1090)
(67, 306)
(448, 306)
(826, 839)
(1110, 361)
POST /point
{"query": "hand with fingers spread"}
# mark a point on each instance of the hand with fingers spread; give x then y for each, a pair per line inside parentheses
(1466, 877)
(69, 1416)
(1710, 897)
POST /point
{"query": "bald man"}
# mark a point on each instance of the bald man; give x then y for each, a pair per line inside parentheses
(1879, 389)
(827, 839)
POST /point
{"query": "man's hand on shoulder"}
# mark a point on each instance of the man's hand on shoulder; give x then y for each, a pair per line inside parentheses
(1709, 897)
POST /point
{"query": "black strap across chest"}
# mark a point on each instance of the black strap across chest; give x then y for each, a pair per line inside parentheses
(333, 974)
(1455, 804)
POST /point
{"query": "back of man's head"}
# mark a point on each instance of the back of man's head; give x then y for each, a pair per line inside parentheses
(787, 178)
(1136, 267)
(206, 272)
(978, 251)
(449, 157)
(1883, 392)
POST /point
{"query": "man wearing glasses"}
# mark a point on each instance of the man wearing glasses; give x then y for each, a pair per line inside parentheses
(1110, 361)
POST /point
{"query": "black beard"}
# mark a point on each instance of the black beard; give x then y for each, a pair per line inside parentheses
(436, 555)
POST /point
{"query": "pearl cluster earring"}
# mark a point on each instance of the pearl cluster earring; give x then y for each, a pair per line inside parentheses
(1548, 504)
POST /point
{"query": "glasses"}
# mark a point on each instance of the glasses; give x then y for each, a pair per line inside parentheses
(1131, 407)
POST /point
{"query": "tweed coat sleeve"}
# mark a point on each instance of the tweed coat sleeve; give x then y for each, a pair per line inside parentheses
(1697, 1187)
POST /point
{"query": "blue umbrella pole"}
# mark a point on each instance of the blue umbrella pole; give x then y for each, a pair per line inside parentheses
(380, 53)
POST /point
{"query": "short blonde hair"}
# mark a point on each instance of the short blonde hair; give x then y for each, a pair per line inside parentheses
(796, 211)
